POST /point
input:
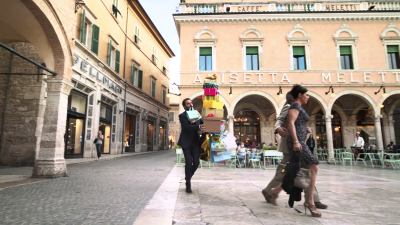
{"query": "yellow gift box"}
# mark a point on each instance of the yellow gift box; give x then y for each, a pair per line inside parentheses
(213, 104)
(214, 113)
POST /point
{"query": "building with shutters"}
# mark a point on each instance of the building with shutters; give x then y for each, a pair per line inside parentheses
(71, 68)
(345, 52)
(120, 77)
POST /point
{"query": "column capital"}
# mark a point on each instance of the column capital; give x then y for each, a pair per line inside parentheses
(378, 118)
(328, 117)
(230, 117)
(58, 85)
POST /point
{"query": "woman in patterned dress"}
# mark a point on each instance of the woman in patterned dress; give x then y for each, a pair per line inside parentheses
(297, 127)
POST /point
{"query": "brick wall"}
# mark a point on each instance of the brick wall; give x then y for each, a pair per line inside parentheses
(22, 101)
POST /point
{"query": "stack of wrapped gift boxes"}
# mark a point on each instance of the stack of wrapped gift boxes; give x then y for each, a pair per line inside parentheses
(213, 115)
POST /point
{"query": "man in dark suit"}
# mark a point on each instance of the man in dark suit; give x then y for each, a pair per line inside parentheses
(189, 140)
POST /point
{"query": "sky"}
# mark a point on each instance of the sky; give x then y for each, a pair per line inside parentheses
(160, 12)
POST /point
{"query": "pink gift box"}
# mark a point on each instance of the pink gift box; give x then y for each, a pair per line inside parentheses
(210, 91)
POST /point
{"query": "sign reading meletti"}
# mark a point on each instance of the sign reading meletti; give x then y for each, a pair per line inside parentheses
(353, 77)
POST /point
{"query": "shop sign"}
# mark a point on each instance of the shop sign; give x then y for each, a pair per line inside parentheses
(249, 8)
(341, 7)
(354, 77)
(85, 67)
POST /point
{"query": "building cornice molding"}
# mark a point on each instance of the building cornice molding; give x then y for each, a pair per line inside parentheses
(262, 17)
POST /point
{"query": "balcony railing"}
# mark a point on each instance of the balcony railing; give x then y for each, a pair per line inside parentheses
(288, 7)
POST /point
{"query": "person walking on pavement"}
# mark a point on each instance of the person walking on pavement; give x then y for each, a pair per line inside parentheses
(272, 190)
(189, 140)
(99, 142)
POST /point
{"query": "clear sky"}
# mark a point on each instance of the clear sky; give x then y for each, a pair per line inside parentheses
(160, 12)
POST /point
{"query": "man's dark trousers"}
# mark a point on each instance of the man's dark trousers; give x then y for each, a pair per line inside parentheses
(192, 161)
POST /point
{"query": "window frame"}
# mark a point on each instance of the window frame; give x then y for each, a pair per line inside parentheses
(153, 90)
(295, 60)
(351, 59)
(86, 39)
(113, 55)
(200, 58)
(389, 58)
(251, 58)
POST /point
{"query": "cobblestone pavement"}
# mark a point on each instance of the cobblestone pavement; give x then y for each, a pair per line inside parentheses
(355, 195)
(99, 192)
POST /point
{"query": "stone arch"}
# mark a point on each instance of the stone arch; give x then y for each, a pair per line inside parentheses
(360, 94)
(42, 27)
(390, 31)
(260, 93)
(297, 32)
(195, 95)
(205, 34)
(345, 30)
(388, 94)
(255, 109)
(313, 94)
(251, 33)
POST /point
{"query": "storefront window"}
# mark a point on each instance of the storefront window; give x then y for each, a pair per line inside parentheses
(77, 102)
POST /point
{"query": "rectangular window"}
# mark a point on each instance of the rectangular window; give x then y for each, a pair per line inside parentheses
(153, 87)
(140, 79)
(113, 56)
(252, 58)
(137, 37)
(205, 59)
(393, 56)
(164, 95)
(89, 33)
(115, 9)
(299, 58)
(346, 58)
(134, 75)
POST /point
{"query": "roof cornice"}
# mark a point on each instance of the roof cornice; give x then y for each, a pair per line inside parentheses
(285, 16)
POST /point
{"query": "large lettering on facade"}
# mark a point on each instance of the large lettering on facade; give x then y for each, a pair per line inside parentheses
(339, 77)
(83, 66)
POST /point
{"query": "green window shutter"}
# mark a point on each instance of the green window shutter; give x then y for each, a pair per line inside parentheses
(251, 50)
(345, 50)
(82, 35)
(205, 51)
(298, 51)
(140, 79)
(117, 54)
(109, 53)
(95, 39)
(392, 48)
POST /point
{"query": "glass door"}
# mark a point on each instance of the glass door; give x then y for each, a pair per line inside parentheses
(106, 130)
(74, 137)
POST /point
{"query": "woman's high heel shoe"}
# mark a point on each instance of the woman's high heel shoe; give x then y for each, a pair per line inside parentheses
(313, 210)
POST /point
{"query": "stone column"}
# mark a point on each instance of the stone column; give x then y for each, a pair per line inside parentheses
(378, 132)
(329, 137)
(391, 130)
(49, 160)
(231, 124)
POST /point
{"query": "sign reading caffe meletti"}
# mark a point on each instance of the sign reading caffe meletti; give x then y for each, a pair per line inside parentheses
(364, 77)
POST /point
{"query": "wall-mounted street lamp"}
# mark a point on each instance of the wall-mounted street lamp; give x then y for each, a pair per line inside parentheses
(79, 4)
(330, 90)
(279, 91)
(381, 88)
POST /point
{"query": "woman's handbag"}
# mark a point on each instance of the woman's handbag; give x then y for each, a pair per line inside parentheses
(302, 179)
(95, 141)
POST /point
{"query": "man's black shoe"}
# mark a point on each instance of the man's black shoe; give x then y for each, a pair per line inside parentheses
(188, 187)
(320, 205)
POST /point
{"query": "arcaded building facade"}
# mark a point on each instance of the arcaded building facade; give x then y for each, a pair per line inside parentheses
(345, 52)
(71, 68)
